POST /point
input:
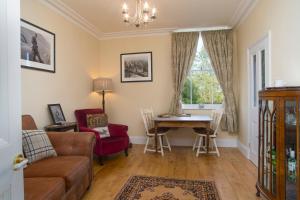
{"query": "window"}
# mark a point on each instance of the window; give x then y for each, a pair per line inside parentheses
(202, 89)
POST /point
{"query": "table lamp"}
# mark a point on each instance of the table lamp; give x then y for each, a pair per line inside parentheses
(102, 85)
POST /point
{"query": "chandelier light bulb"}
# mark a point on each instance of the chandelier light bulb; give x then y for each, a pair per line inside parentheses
(126, 18)
(125, 8)
(146, 7)
(154, 11)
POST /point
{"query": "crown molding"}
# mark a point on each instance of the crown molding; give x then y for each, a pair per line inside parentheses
(143, 33)
(161, 31)
(243, 10)
(71, 15)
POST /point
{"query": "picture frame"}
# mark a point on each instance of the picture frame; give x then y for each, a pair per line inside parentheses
(57, 114)
(37, 47)
(136, 67)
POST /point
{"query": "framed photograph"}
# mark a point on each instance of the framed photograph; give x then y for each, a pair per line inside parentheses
(136, 67)
(57, 114)
(37, 48)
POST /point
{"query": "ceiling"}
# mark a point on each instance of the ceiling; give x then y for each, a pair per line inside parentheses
(103, 17)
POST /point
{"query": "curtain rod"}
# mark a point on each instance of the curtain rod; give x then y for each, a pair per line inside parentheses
(213, 28)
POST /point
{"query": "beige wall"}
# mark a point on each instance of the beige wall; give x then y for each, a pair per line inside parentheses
(123, 105)
(77, 61)
(281, 18)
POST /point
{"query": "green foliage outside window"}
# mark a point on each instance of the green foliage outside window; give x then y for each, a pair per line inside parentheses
(202, 86)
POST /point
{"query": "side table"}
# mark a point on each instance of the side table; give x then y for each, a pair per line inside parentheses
(62, 127)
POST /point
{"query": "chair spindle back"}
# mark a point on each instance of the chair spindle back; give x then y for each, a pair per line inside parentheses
(148, 119)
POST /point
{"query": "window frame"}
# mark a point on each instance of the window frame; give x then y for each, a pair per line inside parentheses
(202, 106)
(191, 106)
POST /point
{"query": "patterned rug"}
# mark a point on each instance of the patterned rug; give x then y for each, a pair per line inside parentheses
(158, 188)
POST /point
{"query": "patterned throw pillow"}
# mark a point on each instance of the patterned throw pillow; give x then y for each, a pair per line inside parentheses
(103, 131)
(36, 145)
(96, 120)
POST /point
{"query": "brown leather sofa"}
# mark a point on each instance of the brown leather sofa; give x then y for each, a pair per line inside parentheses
(67, 176)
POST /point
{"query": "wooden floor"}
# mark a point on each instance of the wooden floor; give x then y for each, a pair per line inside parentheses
(234, 175)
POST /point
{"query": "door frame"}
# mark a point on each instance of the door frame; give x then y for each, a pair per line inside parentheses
(267, 38)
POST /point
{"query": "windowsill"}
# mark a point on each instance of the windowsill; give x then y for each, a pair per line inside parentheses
(202, 106)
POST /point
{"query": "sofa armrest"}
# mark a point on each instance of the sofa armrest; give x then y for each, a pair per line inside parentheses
(118, 130)
(71, 143)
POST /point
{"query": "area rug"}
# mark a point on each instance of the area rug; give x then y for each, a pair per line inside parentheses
(158, 188)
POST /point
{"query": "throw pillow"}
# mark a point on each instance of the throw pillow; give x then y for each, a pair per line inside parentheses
(103, 131)
(96, 120)
(36, 145)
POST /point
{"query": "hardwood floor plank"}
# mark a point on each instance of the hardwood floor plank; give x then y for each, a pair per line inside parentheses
(234, 175)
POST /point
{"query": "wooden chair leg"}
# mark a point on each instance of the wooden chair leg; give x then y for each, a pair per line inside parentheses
(195, 142)
(126, 152)
(217, 150)
(199, 146)
(168, 143)
(161, 146)
(146, 145)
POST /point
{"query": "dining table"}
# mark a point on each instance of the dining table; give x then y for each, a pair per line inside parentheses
(181, 121)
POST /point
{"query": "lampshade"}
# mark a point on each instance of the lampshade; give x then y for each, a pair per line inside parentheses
(102, 84)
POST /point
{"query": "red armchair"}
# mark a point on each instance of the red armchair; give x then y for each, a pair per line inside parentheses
(117, 142)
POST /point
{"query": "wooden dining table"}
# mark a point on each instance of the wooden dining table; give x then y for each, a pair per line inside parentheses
(193, 121)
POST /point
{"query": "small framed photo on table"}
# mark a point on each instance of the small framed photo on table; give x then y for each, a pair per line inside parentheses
(136, 67)
(37, 48)
(57, 114)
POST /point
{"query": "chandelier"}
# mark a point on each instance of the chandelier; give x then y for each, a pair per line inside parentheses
(144, 14)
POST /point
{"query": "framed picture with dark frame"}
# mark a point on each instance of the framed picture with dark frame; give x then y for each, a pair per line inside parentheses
(37, 47)
(57, 114)
(136, 67)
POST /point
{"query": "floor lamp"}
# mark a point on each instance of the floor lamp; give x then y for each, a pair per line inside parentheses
(102, 85)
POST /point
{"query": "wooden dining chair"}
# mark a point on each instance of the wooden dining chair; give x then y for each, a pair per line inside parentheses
(203, 133)
(148, 119)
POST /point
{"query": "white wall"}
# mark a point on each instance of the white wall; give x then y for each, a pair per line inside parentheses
(77, 62)
(281, 18)
(123, 105)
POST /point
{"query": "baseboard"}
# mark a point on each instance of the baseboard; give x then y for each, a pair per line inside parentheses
(244, 149)
(186, 141)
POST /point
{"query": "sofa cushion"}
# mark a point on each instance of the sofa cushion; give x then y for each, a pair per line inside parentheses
(36, 145)
(71, 168)
(44, 188)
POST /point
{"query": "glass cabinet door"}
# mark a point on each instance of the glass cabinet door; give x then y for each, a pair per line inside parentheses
(268, 150)
(290, 150)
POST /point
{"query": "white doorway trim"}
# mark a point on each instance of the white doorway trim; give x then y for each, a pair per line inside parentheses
(266, 41)
(11, 176)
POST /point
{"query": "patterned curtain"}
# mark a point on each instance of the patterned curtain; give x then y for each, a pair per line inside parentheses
(184, 46)
(219, 45)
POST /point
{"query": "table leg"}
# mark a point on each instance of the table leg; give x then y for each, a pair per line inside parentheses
(155, 137)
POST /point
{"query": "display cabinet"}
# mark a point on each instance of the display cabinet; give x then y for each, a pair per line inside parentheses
(279, 139)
